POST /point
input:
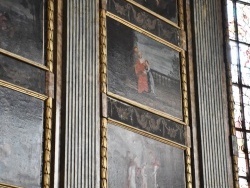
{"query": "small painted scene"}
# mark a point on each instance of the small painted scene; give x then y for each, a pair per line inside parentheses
(135, 161)
(165, 8)
(21, 28)
(143, 70)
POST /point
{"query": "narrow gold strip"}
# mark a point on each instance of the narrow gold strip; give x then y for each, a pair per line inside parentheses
(104, 154)
(48, 114)
(50, 35)
(103, 51)
(3, 185)
(147, 134)
(47, 144)
(181, 14)
(25, 60)
(154, 14)
(184, 88)
(160, 113)
(132, 26)
(23, 90)
(188, 168)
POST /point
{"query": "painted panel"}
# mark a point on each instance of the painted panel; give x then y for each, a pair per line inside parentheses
(142, 70)
(22, 74)
(165, 8)
(146, 121)
(145, 20)
(22, 28)
(21, 140)
(136, 161)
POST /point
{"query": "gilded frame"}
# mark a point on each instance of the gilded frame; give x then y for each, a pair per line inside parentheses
(48, 98)
(103, 77)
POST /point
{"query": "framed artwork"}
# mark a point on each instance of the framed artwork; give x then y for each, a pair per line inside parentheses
(137, 161)
(22, 28)
(143, 71)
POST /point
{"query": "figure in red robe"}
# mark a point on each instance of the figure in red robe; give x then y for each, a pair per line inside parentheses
(141, 73)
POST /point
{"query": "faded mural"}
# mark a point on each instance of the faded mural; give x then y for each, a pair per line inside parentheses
(135, 161)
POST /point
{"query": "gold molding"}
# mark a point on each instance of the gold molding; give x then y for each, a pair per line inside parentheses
(104, 158)
(47, 144)
(181, 14)
(23, 59)
(23, 90)
(140, 30)
(188, 169)
(3, 185)
(184, 88)
(154, 14)
(147, 134)
(144, 107)
(50, 35)
(103, 51)
(48, 114)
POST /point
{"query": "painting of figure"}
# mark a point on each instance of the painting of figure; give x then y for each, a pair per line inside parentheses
(143, 70)
(135, 161)
(22, 28)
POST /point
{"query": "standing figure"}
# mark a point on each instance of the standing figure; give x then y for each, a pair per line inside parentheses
(141, 73)
(151, 82)
(132, 173)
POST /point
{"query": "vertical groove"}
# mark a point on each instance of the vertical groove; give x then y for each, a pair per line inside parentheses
(209, 62)
(82, 95)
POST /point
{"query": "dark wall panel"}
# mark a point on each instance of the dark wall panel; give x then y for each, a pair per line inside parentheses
(22, 74)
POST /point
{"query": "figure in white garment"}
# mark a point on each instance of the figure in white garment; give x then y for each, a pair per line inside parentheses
(132, 173)
(151, 82)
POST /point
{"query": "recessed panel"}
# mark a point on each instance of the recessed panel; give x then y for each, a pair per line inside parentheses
(21, 139)
(22, 74)
(22, 28)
